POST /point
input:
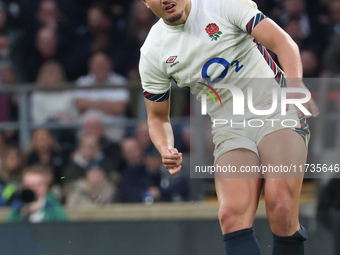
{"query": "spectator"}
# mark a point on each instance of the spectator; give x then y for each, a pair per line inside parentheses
(5, 52)
(310, 63)
(4, 106)
(10, 174)
(10, 137)
(9, 77)
(12, 163)
(331, 58)
(50, 16)
(139, 24)
(43, 149)
(297, 8)
(185, 138)
(28, 11)
(8, 102)
(132, 153)
(55, 105)
(335, 15)
(117, 8)
(97, 36)
(94, 189)
(44, 207)
(88, 150)
(2, 145)
(11, 34)
(111, 102)
(46, 49)
(93, 125)
(306, 31)
(147, 183)
(143, 137)
(293, 28)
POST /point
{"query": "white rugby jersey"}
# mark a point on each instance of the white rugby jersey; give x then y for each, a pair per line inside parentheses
(214, 45)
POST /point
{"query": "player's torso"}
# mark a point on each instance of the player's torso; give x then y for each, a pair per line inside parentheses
(210, 48)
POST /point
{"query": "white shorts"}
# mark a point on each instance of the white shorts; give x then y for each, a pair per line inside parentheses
(249, 137)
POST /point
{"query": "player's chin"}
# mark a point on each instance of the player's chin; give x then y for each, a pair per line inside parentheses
(174, 17)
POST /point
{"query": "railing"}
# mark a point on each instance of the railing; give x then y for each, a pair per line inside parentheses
(24, 125)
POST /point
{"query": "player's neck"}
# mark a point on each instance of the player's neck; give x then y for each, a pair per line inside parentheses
(184, 17)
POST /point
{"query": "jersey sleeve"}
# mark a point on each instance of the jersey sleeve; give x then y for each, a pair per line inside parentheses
(156, 85)
(244, 14)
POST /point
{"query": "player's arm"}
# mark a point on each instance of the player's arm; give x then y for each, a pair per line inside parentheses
(271, 36)
(161, 134)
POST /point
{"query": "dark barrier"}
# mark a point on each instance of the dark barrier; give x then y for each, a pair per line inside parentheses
(177, 237)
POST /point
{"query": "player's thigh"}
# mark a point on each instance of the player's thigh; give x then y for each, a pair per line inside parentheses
(282, 153)
(238, 197)
(284, 148)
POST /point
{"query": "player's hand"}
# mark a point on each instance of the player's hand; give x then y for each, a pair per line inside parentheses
(310, 105)
(172, 160)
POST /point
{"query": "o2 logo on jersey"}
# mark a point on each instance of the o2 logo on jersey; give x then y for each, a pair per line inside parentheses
(222, 62)
(205, 75)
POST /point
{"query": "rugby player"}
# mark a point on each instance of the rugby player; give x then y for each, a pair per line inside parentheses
(224, 40)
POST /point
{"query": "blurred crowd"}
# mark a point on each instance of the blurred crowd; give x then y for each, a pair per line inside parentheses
(89, 42)
(98, 171)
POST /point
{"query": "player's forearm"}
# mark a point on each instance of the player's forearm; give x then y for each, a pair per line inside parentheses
(161, 134)
(289, 57)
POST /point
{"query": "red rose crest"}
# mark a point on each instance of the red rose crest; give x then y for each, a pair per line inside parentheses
(213, 31)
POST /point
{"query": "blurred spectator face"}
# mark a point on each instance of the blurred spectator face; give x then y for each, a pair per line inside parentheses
(4, 43)
(94, 126)
(12, 161)
(95, 176)
(2, 143)
(89, 147)
(295, 7)
(3, 18)
(293, 28)
(97, 20)
(335, 11)
(309, 62)
(51, 74)
(153, 163)
(36, 182)
(100, 65)
(42, 140)
(48, 12)
(7, 74)
(142, 135)
(186, 138)
(47, 43)
(142, 14)
(131, 150)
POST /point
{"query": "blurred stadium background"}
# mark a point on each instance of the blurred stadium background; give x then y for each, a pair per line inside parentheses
(72, 128)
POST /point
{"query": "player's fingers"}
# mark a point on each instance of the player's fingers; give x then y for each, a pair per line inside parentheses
(314, 108)
(299, 113)
(174, 151)
(169, 161)
(175, 170)
(171, 156)
(179, 162)
(170, 166)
